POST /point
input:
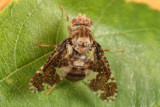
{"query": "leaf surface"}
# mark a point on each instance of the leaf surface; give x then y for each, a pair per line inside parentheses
(117, 26)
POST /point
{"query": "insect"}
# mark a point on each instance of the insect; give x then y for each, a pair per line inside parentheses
(75, 58)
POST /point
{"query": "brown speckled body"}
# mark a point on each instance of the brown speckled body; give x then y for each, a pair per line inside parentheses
(79, 44)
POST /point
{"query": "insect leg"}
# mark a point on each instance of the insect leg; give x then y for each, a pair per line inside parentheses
(68, 25)
(122, 51)
(50, 89)
(42, 45)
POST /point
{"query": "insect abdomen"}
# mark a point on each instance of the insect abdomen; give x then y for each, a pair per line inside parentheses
(76, 74)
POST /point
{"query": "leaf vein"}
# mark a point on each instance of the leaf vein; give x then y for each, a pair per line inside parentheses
(129, 31)
(15, 48)
(17, 69)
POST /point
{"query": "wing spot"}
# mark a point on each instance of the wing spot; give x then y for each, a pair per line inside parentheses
(40, 70)
(109, 81)
(116, 90)
(32, 88)
(46, 85)
(113, 80)
(99, 92)
(42, 67)
(116, 94)
(110, 99)
(111, 76)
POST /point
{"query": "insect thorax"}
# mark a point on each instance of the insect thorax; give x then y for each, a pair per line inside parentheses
(81, 38)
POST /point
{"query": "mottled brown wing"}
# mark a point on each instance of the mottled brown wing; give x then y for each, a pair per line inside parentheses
(46, 76)
(102, 82)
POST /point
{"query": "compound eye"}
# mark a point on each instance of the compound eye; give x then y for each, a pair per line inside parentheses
(74, 20)
(91, 22)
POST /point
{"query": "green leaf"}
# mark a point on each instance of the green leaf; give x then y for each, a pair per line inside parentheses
(117, 26)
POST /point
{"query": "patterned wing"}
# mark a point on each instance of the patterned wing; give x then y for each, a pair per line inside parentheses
(102, 82)
(46, 76)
